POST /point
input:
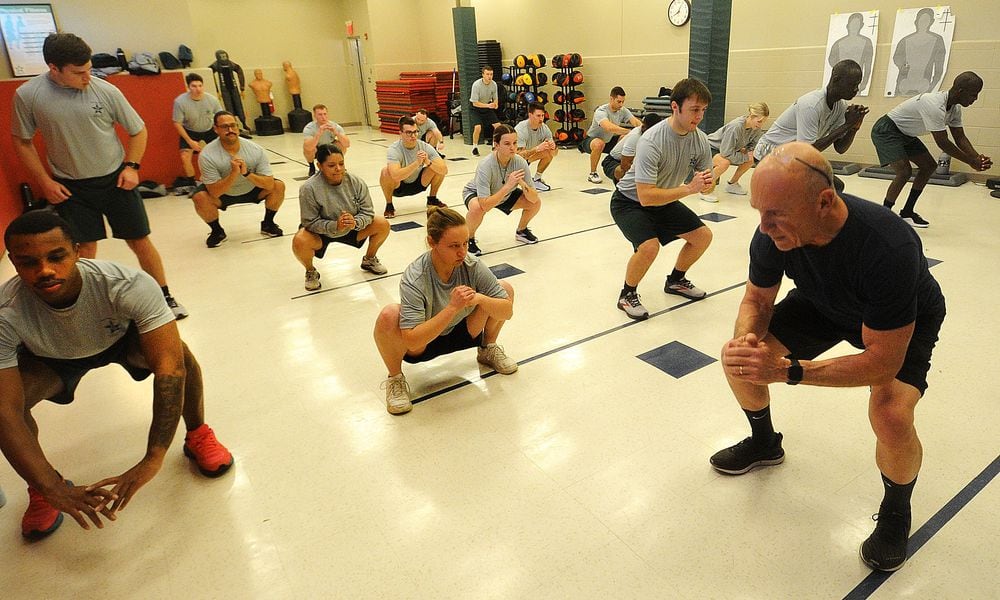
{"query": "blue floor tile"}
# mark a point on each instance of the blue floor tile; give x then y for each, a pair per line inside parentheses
(676, 359)
(405, 225)
(504, 270)
(715, 217)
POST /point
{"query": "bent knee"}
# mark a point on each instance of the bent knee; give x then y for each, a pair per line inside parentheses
(388, 318)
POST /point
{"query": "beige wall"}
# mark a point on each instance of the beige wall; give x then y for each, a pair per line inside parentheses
(776, 63)
(260, 34)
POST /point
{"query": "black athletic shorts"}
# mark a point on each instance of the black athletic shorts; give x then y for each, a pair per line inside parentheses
(609, 164)
(198, 136)
(891, 144)
(507, 206)
(641, 223)
(93, 199)
(453, 341)
(410, 189)
(251, 197)
(350, 239)
(484, 116)
(807, 333)
(608, 145)
(72, 370)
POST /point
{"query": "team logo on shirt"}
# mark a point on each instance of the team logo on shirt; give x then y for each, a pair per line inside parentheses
(98, 108)
(112, 325)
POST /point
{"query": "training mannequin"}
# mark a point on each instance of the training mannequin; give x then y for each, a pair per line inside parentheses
(298, 117)
(227, 74)
(262, 91)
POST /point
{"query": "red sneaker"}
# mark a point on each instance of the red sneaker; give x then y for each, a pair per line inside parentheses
(41, 519)
(211, 457)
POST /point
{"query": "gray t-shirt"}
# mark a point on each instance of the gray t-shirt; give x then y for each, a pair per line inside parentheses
(626, 144)
(490, 176)
(428, 125)
(807, 120)
(195, 115)
(112, 296)
(78, 125)
(926, 112)
(528, 137)
(321, 203)
(398, 153)
(483, 93)
(326, 138)
(666, 159)
(215, 166)
(733, 137)
(621, 117)
(422, 294)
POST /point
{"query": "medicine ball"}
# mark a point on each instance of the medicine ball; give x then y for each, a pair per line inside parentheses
(577, 77)
(575, 60)
(539, 60)
(560, 97)
(576, 134)
(511, 96)
(529, 97)
(576, 115)
(567, 60)
(562, 135)
(577, 97)
(532, 59)
(526, 79)
(505, 78)
(520, 61)
(560, 115)
(542, 78)
(543, 97)
(557, 61)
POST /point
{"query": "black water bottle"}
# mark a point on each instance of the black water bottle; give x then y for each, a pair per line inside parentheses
(27, 197)
(122, 61)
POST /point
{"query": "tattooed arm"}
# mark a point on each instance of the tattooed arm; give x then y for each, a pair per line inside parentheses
(162, 351)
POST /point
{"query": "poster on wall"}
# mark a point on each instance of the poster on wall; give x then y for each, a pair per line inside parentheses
(852, 36)
(921, 45)
(24, 28)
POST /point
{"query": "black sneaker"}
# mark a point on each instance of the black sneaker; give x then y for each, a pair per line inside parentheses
(270, 230)
(914, 220)
(474, 247)
(738, 459)
(475, 151)
(435, 202)
(885, 548)
(215, 238)
(525, 236)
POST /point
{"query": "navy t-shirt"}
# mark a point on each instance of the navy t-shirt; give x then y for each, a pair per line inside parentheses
(873, 272)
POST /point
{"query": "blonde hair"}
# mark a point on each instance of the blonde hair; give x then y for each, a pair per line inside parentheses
(440, 219)
(759, 109)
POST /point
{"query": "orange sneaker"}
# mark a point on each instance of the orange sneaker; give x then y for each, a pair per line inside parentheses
(204, 449)
(41, 519)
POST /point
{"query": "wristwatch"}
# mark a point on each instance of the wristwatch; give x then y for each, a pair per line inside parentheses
(794, 372)
(133, 165)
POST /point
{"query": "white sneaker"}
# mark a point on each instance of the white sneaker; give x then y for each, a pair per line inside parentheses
(540, 184)
(312, 280)
(736, 189)
(373, 265)
(709, 197)
(594, 178)
(494, 357)
(397, 395)
(633, 307)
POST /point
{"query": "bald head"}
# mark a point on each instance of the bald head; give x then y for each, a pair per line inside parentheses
(798, 167)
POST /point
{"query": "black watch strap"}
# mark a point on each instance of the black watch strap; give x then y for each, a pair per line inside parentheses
(131, 164)
(794, 372)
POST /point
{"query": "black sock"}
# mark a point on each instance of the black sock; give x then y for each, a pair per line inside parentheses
(911, 200)
(627, 289)
(431, 199)
(166, 290)
(761, 428)
(269, 216)
(676, 275)
(897, 496)
(216, 228)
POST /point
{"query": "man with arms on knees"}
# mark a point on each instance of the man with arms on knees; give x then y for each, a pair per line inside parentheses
(895, 139)
(336, 207)
(861, 277)
(427, 130)
(235, 171)
(485, 100)
(413, 166)
(619, 160)
(62, 316)
(608, 125)
(94, 177)
(193, 113)
(646, 206)
(321, 130)
(534, 140)
(821, 117)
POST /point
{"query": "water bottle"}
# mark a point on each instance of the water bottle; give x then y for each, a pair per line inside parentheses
(944, 164)
(27, 197)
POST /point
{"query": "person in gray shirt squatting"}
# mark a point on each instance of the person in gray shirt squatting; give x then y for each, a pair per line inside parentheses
(192, 116)
(336, 207)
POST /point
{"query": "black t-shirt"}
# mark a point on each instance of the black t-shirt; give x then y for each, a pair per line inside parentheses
(873, 272)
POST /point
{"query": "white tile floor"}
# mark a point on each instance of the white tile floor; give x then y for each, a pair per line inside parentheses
(583, 475)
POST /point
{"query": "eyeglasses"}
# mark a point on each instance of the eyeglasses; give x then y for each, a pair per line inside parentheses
(826, 176)
(229, 126)
(409, 132)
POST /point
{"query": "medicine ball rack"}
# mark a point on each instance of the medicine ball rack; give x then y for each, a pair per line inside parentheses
(523, 81)
(568, 98)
